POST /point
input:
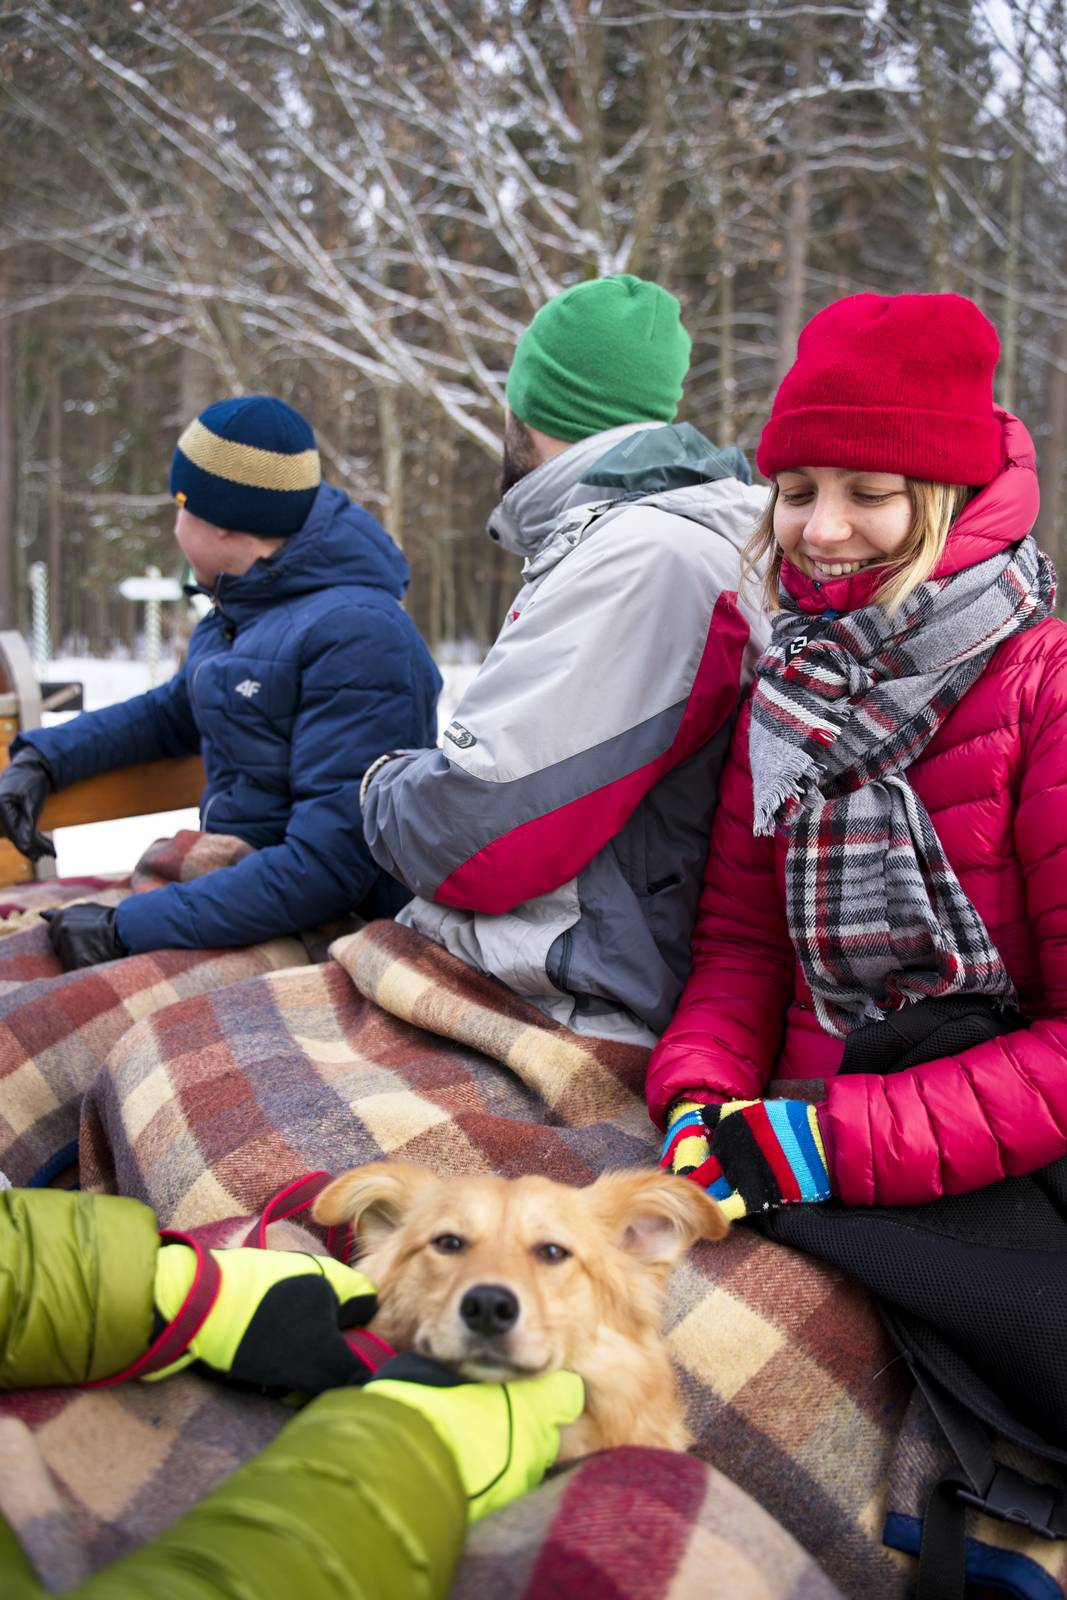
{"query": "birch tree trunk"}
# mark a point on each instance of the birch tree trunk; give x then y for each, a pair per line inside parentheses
(930, 99)
(798, 213)
(391, 436)
(1051, 529)
(7, 453)
(650, 191)
(53, 497)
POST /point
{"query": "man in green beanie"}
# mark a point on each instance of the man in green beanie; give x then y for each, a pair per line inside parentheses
(557, 840)
(589, 360)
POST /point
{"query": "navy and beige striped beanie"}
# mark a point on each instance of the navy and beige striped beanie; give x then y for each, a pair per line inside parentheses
(248, 464)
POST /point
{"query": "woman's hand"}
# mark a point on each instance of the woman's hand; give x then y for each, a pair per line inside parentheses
(686, 1147)
(750, 1155)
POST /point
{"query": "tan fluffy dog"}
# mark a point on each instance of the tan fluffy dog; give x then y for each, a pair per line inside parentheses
(502, 1279)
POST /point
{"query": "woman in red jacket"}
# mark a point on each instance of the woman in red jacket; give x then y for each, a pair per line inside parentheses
(892, 824)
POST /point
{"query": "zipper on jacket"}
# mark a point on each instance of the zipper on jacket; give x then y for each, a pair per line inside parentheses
(229, 627)
(207, 810)
(229, 633)
(564, 961)
(196, 673)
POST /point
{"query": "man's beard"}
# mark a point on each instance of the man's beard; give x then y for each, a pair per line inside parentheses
(520, 454)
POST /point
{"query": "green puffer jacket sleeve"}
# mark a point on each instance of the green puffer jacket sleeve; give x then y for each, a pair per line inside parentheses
(76, 1280)
(357, 1496)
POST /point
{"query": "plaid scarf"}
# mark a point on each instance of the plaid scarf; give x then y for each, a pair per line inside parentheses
(843, 705)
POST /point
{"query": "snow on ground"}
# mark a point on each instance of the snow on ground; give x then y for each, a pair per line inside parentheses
(115, 846)
(456, 677)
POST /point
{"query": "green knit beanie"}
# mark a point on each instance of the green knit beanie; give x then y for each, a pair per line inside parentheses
(605, 352)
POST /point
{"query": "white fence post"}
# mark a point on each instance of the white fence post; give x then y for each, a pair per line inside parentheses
(151, 590)
(38, 581)
(153, 630)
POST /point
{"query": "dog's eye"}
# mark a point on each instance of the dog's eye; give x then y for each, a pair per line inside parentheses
(448, 1243)
(551, 1254)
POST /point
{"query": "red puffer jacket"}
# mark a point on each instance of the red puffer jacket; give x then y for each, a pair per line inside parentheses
(994, 781)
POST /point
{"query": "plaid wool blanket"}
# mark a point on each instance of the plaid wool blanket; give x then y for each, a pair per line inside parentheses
(85, 1476)
(56, 1028)
(393, 1048)
(625, 1525)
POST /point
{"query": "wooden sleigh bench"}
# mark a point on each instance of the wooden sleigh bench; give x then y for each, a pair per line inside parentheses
(135, 791)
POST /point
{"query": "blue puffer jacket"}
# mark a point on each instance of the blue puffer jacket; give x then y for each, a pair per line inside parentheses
(305, 671)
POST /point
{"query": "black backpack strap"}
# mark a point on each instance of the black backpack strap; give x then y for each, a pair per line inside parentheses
(955, 1022)
(925, 1029)
(981, 1481)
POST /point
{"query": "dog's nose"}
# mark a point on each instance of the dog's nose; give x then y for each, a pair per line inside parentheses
(489, 1309)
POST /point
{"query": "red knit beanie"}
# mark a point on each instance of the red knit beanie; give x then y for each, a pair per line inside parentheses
(890, 383)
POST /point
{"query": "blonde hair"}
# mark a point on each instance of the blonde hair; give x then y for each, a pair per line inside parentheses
(935, 507)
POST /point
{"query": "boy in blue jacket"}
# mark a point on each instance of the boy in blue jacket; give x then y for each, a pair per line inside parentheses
(304, 671)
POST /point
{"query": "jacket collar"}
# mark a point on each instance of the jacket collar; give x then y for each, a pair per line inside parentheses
(339, 544)
(527, 515)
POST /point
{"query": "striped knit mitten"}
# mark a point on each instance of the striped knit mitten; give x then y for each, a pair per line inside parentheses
(769, 1152)
(686, 1149)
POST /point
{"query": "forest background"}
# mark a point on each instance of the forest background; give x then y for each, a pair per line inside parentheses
(359, 206)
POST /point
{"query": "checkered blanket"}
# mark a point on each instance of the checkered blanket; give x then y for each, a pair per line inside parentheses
(625, 1525)
(57, 1028)
(393, 1048)
(85, 1476)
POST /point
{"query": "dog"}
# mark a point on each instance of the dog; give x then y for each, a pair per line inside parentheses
(509, 1278)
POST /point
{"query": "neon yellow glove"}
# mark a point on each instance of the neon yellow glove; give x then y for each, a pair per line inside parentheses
(503, 1436)
(277, 1318)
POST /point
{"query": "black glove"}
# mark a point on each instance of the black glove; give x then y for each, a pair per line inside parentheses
(277, 1320)
(83, 935)
(24, 787)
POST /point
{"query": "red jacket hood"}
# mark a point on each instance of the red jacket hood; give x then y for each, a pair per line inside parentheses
(1001, 514)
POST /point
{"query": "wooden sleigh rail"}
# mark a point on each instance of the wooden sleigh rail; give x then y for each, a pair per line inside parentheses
(135, 791)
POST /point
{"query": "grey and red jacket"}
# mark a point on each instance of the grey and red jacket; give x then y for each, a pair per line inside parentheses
(557, 839)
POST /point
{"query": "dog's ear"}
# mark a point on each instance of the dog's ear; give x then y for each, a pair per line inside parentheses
(374, 1199)
(657, 1216)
